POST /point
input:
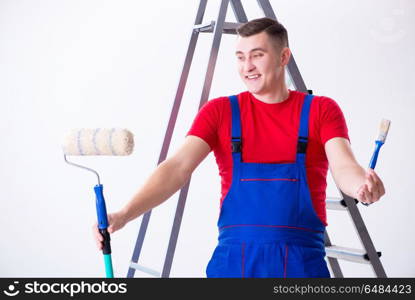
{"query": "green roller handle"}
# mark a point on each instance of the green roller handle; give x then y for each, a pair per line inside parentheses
(108, 266)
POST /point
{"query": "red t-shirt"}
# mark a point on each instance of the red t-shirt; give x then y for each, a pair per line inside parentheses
(269, 135)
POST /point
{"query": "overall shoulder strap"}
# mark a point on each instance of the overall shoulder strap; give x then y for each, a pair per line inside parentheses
(236, 137)
(303, 130)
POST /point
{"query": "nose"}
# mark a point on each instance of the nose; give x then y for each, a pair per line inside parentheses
(248, 66)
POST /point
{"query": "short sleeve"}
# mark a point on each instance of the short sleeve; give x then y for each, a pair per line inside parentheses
(332, 121)
(206, 123)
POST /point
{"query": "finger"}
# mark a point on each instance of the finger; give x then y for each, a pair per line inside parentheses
(375, 179)
(375, 194)
(361, 195)
(96, 229)
(113, 228)
(371, 191)
(99, 246)
(367, 195)
(374, 176)
(378, 182)
(373, 173)
(369, 181)
(363, 198)
(98, 236)
(373, 188)
(379, 187)
(382, 189)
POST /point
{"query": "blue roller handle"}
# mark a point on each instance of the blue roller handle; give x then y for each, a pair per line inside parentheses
(102, 227)
(374, 159)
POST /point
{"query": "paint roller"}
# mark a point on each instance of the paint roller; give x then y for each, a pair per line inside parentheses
(99, 141)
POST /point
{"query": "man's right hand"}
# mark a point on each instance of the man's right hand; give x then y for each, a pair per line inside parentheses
(116, 221)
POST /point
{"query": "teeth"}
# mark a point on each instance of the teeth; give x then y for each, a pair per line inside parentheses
(252, 76)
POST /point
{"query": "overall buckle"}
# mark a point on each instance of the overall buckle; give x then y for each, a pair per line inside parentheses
(236, 145)
(302, 144)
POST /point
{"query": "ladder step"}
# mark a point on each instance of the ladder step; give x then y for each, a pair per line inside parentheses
(228, 27)
(337, 203)
(350, 254)
(145, 269)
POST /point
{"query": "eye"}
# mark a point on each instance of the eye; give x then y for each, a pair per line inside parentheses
(239, 58)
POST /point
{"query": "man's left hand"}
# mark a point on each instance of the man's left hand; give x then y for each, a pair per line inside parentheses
(372, 189)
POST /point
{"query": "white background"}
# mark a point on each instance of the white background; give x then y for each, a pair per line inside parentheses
(66, 64)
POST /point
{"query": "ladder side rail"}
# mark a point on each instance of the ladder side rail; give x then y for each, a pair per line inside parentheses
(170, 128)
(239, 11)
(217, 34)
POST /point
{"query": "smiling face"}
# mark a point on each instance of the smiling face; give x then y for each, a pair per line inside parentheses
(261, 64)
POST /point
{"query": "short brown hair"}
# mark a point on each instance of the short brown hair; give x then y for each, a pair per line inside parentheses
(275, 30)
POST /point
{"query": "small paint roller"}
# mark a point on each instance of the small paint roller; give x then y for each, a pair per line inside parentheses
(99, 141)
(383, 132)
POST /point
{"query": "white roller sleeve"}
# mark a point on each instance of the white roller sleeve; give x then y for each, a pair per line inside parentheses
(98, 141)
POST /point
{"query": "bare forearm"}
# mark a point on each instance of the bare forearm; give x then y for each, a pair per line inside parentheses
(161, 185)
(349, 179)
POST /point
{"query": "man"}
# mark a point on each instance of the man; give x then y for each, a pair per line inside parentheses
(273, 147)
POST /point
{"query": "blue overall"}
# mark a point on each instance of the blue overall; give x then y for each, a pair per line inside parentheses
(267, 224)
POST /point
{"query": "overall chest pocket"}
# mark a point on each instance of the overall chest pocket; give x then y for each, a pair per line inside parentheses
(274, 200)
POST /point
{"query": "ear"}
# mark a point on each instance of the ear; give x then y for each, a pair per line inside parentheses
(285, 56)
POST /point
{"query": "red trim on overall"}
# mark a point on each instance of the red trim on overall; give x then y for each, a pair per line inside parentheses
(269, 179)
(277, 226)
(243, 260)
(285, 261)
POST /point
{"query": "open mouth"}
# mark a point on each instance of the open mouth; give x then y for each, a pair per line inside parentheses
(252, 77)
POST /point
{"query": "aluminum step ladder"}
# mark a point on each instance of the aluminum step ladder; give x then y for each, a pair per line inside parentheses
(219, 27)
